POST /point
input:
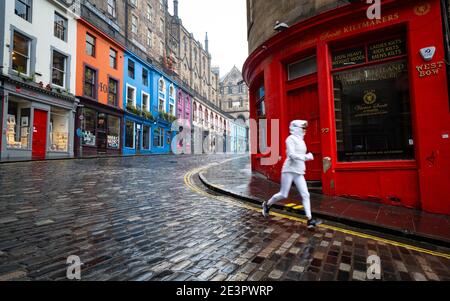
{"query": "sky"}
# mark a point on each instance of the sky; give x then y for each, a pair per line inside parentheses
(226, 24)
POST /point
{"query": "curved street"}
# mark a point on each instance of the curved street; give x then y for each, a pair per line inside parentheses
(149, 218)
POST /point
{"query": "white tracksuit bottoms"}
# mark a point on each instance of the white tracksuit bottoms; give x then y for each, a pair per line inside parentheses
(286, 182)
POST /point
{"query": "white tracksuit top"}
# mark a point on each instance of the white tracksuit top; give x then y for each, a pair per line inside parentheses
(296, 155)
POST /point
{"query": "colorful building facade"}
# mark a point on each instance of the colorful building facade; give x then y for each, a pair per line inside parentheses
(375, 93)
(37, 80)
(99, 88)
(150, 101)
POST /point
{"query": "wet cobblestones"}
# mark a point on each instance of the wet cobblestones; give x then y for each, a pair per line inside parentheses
(134, 219)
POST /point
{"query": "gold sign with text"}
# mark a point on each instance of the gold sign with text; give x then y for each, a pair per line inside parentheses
(426, 70)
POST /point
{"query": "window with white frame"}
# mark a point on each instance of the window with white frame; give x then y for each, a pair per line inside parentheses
(60, 27)
(21, 53)
(134, 2)
(161, 25)
(59, 65)
(172, 91)
(162, 86)
(171, 109)
(131, 96)
(134, 24)
(149, 38)
(22, 9)
(145, 102)
(161, 4)
(149, 12)
(112, 8)
(161, 48)
(161, 104)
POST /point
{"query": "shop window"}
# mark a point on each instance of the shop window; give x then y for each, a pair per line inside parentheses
(113, 92)
(21, 53)
(261, 119)
(60, 27)
(22, 9)
(146, 137)
(90, 45)
(90, 79)
(171, 109)
(158, 137)
(129, 134)
(302, 68)
(373, 115)
(18, 124)
(113, 132)
(144, 77)
(59, 130)
(112, 58)
(131, 69)
(89, 125)
(59, 69)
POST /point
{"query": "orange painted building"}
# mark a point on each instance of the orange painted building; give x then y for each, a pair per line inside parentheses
(99, 87)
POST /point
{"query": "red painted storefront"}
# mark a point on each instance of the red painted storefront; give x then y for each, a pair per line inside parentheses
(413, 171)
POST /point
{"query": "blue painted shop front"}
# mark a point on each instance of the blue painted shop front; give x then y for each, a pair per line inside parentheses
(150, 103)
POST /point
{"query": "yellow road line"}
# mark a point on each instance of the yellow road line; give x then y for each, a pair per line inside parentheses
(193, 187)
(290, 205)
(298, 207)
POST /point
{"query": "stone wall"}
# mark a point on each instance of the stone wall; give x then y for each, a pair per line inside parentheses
(263, 15)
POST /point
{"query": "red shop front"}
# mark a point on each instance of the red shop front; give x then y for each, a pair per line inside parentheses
(376, 97)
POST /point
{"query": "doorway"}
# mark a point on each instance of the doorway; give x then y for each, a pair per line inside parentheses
(303, 104)
(39, 134)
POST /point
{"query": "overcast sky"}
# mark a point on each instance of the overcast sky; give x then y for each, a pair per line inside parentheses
(226, 24)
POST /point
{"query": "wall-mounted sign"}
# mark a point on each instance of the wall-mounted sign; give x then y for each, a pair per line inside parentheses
(386, 49)
(428, 53)
(430, 69)
(349, 57)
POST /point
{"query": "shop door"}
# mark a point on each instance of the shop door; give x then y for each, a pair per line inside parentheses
(101, 134)
(138, 138)
(39, 135)
(303, 104)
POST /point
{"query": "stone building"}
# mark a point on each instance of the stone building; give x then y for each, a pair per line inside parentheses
(234, 96)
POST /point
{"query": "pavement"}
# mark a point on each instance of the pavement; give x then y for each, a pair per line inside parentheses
(150, 218)
(236, 179)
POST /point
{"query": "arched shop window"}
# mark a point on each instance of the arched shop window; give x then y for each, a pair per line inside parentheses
(372, 102)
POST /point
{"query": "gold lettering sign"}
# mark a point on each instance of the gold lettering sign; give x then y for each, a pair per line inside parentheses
(386, 49)
(349, 57)
(426, 70)
(370, 106)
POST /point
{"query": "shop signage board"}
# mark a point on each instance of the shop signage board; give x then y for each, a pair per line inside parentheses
(386, 49)
(348, 57)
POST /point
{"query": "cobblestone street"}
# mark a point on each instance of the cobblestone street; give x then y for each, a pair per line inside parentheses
(136, 219)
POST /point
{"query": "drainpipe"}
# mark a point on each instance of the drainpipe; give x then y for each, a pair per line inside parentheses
(446, 29)
(126, 23)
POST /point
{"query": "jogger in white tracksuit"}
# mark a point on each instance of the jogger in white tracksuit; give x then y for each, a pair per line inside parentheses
(294, 169)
